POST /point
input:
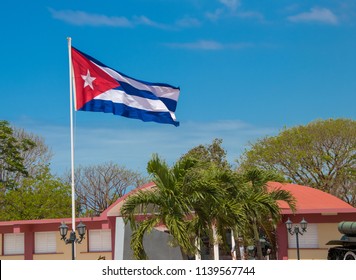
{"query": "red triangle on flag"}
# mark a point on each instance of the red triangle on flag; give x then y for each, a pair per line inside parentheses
(90, 80)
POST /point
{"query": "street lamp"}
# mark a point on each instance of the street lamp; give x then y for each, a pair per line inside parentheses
(63, 230)
(296, 230)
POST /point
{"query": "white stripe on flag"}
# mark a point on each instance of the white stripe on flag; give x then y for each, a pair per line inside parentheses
(159, 91)
(119, 96)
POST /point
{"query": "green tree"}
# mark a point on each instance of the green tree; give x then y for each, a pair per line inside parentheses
(11, 161)
(238, 202)
(41, 197)
(261, 205)
(216, 211)
(321, 155)
(28, 190)
(189, 199)
(196, 198)
(212, 153)
(166, 203)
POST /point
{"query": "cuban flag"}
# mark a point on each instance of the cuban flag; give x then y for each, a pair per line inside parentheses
(99, 88)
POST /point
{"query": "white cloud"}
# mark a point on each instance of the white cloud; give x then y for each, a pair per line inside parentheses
(214, 16)
(143, 20)
(198, 45)
(210, 45)
(231, 8)
(84, 18)
(321, 15)
(231, 4)
(88, 19)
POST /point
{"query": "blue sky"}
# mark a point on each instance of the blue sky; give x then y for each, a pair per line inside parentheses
(246, 69)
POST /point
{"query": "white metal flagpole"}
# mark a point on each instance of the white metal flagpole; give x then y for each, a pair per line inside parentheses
(71, 130)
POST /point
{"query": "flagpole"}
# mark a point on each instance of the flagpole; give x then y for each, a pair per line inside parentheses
(69, 39)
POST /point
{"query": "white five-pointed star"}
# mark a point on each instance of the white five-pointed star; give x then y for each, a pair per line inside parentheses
(88, 80)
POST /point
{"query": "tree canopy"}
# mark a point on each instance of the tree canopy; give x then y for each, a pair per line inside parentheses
(212, 153)
(39, 197)
(28, 190)
(12, 166)
(167, 201)
(321, 155)
(199, 197)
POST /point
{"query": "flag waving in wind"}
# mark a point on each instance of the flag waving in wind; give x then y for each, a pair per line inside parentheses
(99, 88)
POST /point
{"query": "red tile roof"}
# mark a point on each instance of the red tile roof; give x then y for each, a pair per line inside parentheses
(310, 200)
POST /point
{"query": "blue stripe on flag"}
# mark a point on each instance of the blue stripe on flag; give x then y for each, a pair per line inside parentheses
(97, 105)
(170, 104)
(129, 89)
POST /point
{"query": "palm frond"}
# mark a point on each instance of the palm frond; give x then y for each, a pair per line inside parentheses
(137, 237)
(142, 202)
(178, 229)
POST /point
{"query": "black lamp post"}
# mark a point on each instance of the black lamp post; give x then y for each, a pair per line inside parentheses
(296, 230)
(63, 230)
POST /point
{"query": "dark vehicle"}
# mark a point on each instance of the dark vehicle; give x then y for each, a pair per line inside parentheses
(347, 244)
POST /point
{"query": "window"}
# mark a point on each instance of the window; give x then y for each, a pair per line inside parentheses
(309, 239)
(99, 240)
(45, 242)
(14, 243)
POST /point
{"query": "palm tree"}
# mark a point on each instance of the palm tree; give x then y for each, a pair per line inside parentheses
(167, 203)
(215, 212)
(261, 204)
(195, 198)
(190, 199)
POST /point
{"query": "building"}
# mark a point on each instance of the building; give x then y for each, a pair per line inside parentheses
(322, 211)
(107, 237)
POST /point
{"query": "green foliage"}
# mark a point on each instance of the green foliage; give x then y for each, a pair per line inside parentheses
(259, 204)
(198, 194)
(27, 188)
(213, 153)
(321, 154)
(42, 197)
(166, 203)
(11, 162)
